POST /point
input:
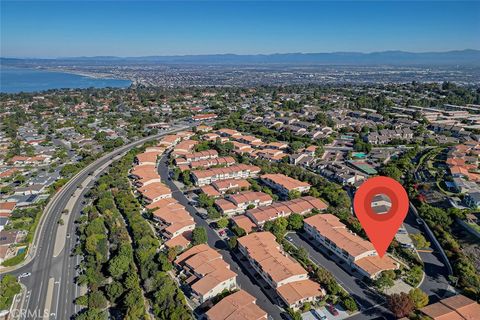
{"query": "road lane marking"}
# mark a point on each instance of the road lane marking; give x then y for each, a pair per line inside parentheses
(48, 300)
(58, 295)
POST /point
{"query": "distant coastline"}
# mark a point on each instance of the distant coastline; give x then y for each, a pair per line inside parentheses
(15, 79)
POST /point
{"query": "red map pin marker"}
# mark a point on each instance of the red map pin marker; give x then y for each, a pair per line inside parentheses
(381, 228)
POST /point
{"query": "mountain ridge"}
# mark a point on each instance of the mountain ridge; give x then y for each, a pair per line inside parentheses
(390, 57)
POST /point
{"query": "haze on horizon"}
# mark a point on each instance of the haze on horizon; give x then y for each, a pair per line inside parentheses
(127, 29)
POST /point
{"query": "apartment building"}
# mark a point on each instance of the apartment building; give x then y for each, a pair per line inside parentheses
(231, 185)
(238, 306)
(386, 135)
(213, 162)
(456, 307)
(284, 184)
(250, 140)
(6, 208)
(147, 158)
(169, 140)
(276, 210)
(341, 174)
(184, 148)
(154, 192)
(238, 203)
(274, 155)
(241, 148)
(279, 270)
(229, 133)
(358, 253)
(207, 274)
(172, 219)
(239, 171)
(145, 174)
(204, 117)
(201, 155)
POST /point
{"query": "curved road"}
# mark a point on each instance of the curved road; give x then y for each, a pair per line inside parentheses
(50, 290)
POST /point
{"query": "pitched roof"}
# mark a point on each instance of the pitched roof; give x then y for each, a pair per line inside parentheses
(249, 196)
(262, 247)
(453, 308)
(244, 222)
(230, 184)
(237, 306)
(228, 170)
(296, 291)
(154, 190)
(285, 181)
(330, 227)
(301, 205)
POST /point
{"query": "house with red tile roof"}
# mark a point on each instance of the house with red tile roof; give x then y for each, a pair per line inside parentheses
(302, 205)
(204, 116)
(231, 185)
(6, 208)
(284, 184)
(239, 202)
(206, 273)
(457, 307)
(279, 270)
(239, 171)
(155, 191)
(237, 306)
(360, 254)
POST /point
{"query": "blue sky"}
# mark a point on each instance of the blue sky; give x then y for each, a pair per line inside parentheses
(70, 28)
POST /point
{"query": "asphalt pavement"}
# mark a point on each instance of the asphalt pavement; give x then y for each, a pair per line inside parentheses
(436, 283)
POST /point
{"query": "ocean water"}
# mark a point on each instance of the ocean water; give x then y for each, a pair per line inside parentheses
(14, 80)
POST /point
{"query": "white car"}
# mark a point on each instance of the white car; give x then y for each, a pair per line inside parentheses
(24, 275)
(319, 315)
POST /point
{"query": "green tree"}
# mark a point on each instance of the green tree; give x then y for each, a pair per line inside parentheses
(385, 280)
(9, 287)
(199, 236)
(294, 194)
(114, 291)
(278, 227)
(296, 145)
(418, 297)
(205, 201)
(222, 223)
(97, 300)
(119, 265)
(350, 304)
(419, 240)
(295, 221)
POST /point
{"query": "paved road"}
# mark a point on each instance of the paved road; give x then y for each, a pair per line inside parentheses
(435, 283)
(370, 302)
(244, 280)
(51, 289)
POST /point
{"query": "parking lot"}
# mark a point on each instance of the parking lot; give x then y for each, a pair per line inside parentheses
(324, 314)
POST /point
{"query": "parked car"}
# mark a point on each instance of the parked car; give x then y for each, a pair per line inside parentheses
(319, 315)
(331, 308)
